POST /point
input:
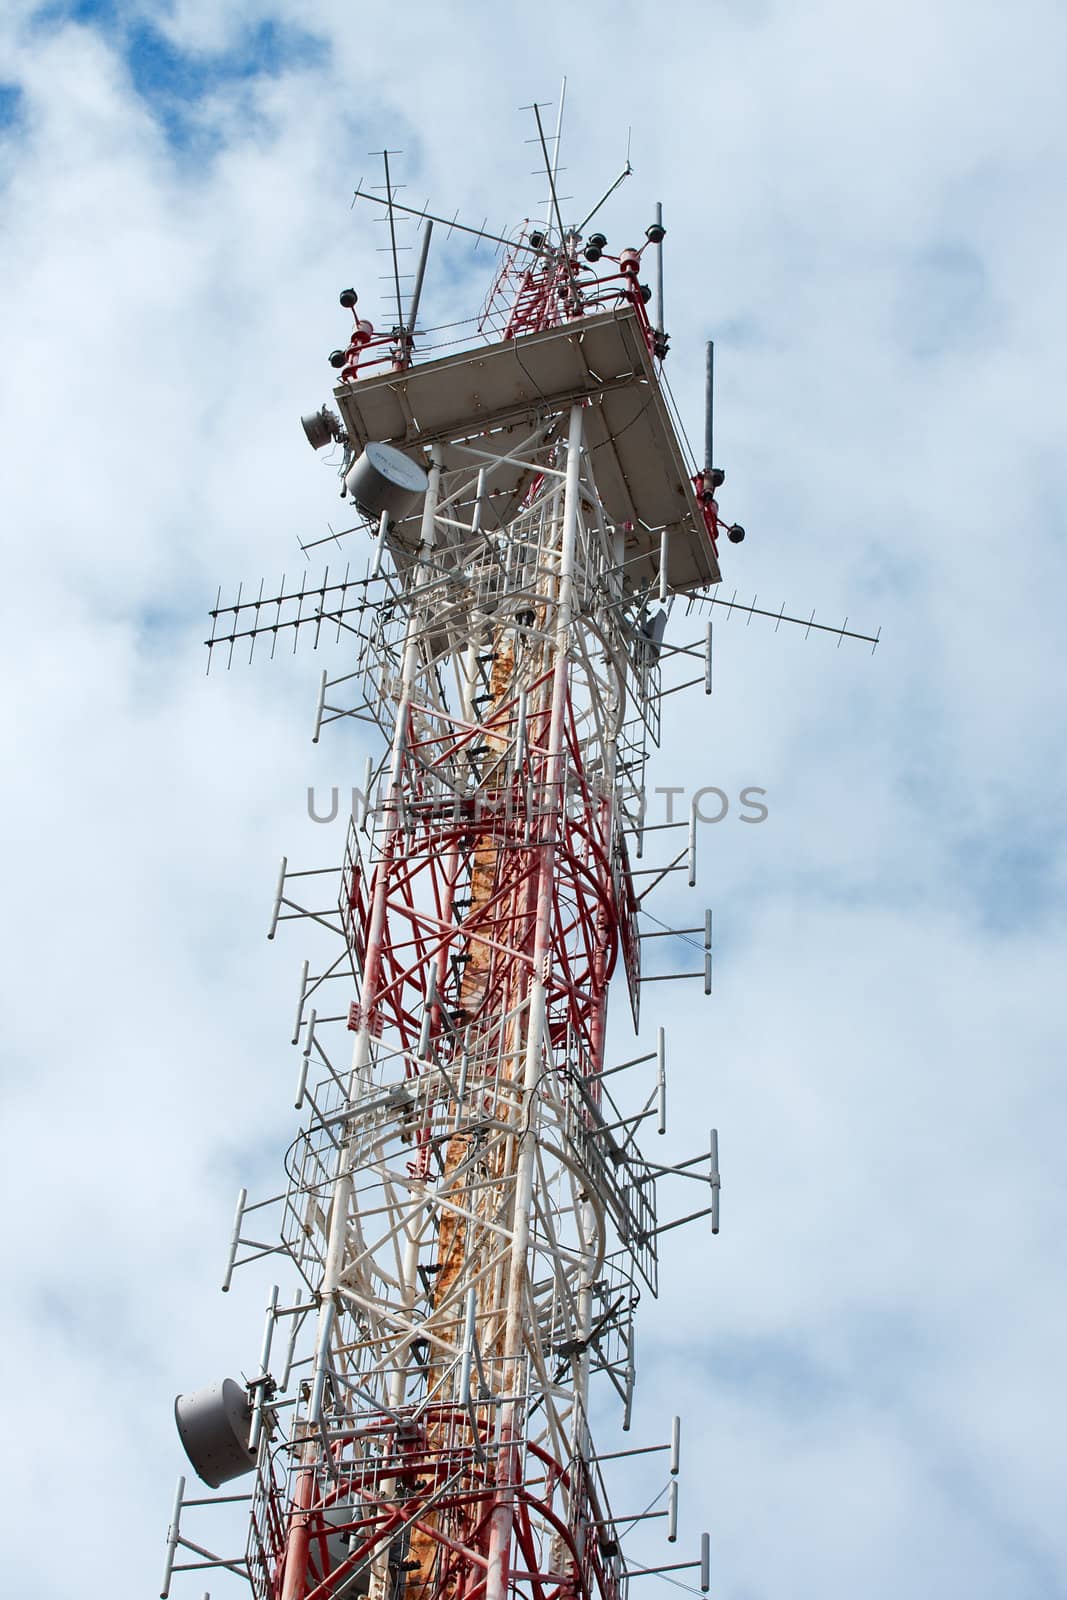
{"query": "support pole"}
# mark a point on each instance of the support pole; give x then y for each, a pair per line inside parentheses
(416, 293)
(294, 1582)
(502, 1522)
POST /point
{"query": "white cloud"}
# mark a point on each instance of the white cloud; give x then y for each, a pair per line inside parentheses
(863, 207)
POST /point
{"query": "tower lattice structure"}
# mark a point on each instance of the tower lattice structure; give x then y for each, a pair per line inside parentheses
(467, 1212)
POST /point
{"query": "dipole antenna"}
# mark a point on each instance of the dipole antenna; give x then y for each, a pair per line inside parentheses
(709, 409)
(657, 235)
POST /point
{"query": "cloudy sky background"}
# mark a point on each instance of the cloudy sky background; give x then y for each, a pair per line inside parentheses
(865, 209)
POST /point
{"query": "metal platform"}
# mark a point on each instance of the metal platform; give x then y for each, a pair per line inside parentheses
(506, 389)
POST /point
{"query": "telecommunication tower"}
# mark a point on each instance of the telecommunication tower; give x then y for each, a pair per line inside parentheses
(467, 1214)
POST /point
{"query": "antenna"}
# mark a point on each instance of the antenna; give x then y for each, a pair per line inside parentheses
(550, 170)
(656, 235)
(416, 293)
(392, 241)
(626, 172)
(554, 170)
(709, 409)
(778, 617)
(448, 222)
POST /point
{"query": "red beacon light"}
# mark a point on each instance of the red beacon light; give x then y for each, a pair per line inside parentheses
(348, 359)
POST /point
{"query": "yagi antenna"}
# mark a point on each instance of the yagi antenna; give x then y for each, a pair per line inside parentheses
(553, 197)
(450, 223)
(553, 193)
(290, 612)
(551, 165)
(778, 617)
(392, 241)
(554, 174)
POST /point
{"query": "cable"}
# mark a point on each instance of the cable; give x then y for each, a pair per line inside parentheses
(667, 929)
(678, 417)
(678, 1584)
(635, 1520)
(441, 326)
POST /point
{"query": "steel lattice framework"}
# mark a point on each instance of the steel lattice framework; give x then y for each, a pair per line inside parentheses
(467, 1207)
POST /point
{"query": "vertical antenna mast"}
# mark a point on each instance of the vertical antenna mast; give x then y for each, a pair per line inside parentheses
(657, 234)
(709, 409)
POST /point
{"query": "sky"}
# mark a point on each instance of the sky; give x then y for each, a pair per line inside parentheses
(864, 209)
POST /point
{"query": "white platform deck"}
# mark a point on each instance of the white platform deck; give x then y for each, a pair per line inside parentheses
(632, 445)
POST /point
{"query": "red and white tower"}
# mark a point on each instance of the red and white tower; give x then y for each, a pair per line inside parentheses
(467, 1216)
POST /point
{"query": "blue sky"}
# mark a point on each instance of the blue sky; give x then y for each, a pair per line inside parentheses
(173, 82)
(864, 210)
